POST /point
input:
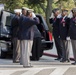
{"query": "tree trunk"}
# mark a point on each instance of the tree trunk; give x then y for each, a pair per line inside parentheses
(48, 11)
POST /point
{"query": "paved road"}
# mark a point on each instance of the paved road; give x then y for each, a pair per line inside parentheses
(45, 66)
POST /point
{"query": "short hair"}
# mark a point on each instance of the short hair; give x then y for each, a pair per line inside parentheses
(73, 10)
(54, 10)
(28, 13)
(64, 10)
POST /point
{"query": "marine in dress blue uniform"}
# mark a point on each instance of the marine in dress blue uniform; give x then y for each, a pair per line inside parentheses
(22, 16)
(25, 35)
(16, 44)
(73, 33)
(56, 33)
(64, 29)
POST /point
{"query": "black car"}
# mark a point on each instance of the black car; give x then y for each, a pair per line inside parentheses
(5, 34)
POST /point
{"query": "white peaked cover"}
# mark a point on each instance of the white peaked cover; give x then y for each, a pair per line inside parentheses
(1, 6)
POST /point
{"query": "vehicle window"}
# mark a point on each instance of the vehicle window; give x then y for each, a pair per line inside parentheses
(40, 27)
(43, 22)
(40, 20)
(8, 20)
(0, 16)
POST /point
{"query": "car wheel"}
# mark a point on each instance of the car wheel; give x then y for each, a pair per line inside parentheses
(3, 54)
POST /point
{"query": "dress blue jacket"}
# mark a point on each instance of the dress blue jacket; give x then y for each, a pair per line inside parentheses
(55, 25)
(15, 26)
(64, 27)
(26, 28)
(72, 30)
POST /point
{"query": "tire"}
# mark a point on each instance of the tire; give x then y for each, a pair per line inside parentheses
(3, 54)
(41, 53)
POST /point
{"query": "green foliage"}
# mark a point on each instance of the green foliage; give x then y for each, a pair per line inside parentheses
(12, 4)
(40, 6)
(35, 2)
(69, 4)
(61, 1)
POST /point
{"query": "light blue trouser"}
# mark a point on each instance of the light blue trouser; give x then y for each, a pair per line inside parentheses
(26, 47)
(16, 50)
(74, 48)
(65, 52)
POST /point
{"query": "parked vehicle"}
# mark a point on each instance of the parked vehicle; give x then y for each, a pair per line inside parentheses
(5, 34)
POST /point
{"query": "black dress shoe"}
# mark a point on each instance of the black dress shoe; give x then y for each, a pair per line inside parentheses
(58, 59)
(63, 60)
(34, 59)
(74, 63)
(15, 61)
(68, 60)
(27, 66)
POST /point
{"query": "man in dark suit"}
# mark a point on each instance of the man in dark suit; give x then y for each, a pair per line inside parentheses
(15, 27)
(26, 37)
(56, 33)
(64, 29)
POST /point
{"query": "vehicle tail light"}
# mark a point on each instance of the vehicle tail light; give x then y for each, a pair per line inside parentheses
(50, 36)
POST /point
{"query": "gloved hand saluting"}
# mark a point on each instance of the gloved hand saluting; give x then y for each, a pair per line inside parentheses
(33, 15)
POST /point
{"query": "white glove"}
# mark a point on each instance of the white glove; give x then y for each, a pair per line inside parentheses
(59, 16)
(33, 15)
(67, 38)
(70, 15)
(58, 36)
(52, 16)
(1, 7)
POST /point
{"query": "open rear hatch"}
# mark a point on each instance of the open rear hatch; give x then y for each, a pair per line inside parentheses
(47, 40)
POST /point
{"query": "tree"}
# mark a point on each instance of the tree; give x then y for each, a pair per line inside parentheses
(75, 2)
(48, 11)
(46, 6)
(69, 4)
(12, 4)
(40, 6)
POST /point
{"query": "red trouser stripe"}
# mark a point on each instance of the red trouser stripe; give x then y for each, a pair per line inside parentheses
(53, 55)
